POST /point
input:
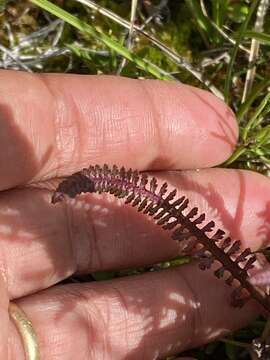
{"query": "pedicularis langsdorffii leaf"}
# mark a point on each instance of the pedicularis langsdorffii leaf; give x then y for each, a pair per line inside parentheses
(186, 225)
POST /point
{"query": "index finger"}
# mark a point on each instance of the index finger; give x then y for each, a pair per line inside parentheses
(53, 125)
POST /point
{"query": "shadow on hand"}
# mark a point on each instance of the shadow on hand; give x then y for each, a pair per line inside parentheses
(27, 217)
(18, 161)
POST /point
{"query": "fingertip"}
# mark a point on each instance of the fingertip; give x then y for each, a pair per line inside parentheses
(217, 123)
(202, 130)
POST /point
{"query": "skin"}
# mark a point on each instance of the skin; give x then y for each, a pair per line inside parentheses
(53, 125)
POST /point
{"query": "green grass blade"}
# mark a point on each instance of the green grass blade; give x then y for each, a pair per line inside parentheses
(238, 152)
(235, 50)
(203, 24)
(262, 37)
(218, 11)
(243, 109)
(105, 39)
(252, 121)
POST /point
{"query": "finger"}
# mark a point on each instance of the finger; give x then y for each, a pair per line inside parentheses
(149, 316)
(53, 125)
(42, 243)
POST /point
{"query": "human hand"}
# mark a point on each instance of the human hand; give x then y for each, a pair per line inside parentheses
(53, 125)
